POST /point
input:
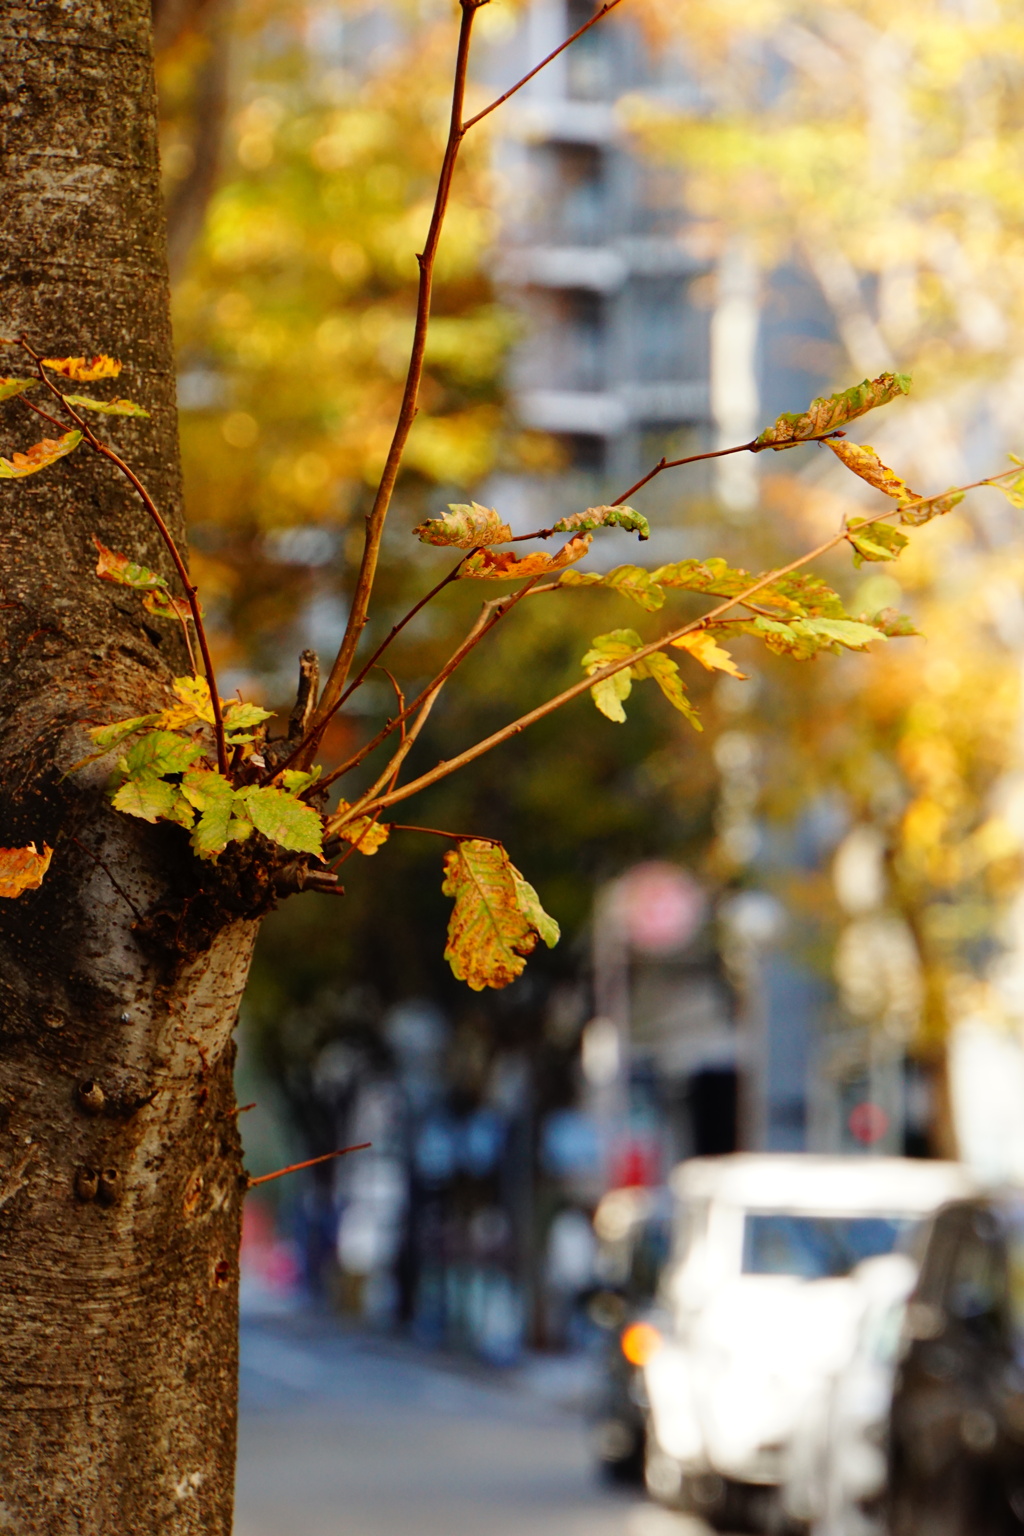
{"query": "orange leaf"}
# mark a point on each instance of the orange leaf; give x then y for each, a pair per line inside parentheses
(38, 456)
(702, 646)
(490, 566)
(83, 370)
(113, 566)
(22, 869)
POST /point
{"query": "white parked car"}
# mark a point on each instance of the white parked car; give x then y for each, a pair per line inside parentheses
(760, 1310)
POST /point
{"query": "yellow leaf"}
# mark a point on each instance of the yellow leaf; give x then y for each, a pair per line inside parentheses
(84, 370)
(829, 412)
(497, 918)
(488, 566)
(365, 834)
(703, 646)
(22, 869)
(864, 461)
(39, 456)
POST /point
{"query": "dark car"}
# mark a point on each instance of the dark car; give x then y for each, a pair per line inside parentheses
(956, 1434)
(633, 1229)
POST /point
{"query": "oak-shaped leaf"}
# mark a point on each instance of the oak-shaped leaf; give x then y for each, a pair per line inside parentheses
(84, 370)
(466, 525)
(874, 541)
(918, 512)
(703, 646)
(497, 919)
(282, 818)
(11, 387)
(22, 869)
(106, 407)
(862, 459)
(118, 568)
(365, 834)
(488, 565)
(39, 456)
(830, 412)
(605, 517)
(630, 581)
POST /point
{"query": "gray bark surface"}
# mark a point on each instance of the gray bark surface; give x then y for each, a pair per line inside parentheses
(120, 978)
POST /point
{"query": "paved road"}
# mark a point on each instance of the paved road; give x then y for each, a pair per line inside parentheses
(341, 1436)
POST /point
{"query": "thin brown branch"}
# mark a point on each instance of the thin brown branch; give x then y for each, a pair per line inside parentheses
(499, 101)
(191, 595)
(455, 837)
(490, 614)
(310, 1162)
(335, 685)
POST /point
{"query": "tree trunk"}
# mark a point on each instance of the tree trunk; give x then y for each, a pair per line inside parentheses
(120, 1172)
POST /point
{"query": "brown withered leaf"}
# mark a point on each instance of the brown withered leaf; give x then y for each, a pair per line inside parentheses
(22, 869)
(504, 566)
(497, 918)
(466, 525)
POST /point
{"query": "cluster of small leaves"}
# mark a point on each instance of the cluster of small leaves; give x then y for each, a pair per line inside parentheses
(167, 773)
(497, 919)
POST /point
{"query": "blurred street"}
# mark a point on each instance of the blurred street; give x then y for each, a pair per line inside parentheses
(349, 1436)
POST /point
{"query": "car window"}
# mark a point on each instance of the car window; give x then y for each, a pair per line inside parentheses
(815, 1247)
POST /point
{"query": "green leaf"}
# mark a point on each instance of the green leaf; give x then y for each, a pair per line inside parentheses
(828, 413)
(1013, 490)
(39, 456)
(11, 387)
(529, 905)
(877, 541)
(786, 639)
(108, 736)
(240, 717)
(609, 693)
(295, 781)
(497, 918)
(605, 517)
(846, 632)
(147, 797)
(106, 407)
(934, 506)
(465, 526)
(117, 568)
(159, 753)
(630, 581)
(214, 798)
(283, 818)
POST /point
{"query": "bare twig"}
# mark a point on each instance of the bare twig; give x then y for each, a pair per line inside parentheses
(500, 100)
(310, 1162)
(165, 533)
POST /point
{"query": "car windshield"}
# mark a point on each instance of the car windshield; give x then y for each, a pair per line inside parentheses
(815, 1247)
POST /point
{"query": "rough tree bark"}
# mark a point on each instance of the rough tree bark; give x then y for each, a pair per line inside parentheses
(120, 1172)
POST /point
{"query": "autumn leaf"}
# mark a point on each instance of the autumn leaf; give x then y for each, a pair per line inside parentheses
(803, 638)
(488, 566)
(107, 737)
(11, 387)
(465, 526)
(702, 645)
(283, 818)
(828, 413)
(610, 692)
(874, 541)
(365, 834)
(497, 919)
(605, 517)
(665, 673)
(893, 623)
(159, 753)
(84, 370)
(148, 797)
(630, 581)
(22, 869)
(162, 605)
(296, 781)
(105, 407)
(933, 506)
(862, 459)
(117, 568)
(39, 456)
(241, 716)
